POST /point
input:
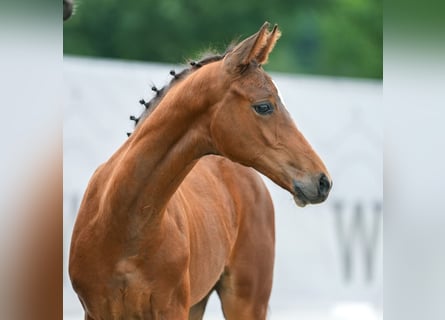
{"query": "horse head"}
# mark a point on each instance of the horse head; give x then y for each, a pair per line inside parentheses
(251, 125)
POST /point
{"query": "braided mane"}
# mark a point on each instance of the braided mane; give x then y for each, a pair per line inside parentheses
(160, 93)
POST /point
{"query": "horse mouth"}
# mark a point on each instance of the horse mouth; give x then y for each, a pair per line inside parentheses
(299, 197)
(306, 194)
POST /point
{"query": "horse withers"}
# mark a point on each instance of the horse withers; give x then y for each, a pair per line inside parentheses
(178, 211)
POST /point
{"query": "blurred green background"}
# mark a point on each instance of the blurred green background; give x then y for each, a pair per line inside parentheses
(328, 37)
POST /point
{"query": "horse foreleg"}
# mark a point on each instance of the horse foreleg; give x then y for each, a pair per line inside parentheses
(245, 292)
(245, 286)
(197, 311)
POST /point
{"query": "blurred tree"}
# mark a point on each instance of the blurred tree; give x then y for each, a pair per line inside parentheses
(333, 37)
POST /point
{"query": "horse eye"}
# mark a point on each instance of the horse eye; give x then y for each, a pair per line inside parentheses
(263, 108)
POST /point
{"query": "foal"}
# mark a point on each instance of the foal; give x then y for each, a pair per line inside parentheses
(167, 219)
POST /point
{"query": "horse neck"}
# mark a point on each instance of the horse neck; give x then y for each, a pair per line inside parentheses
(149, 168)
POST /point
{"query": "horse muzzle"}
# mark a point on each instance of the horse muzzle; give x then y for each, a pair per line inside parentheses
(316, 190)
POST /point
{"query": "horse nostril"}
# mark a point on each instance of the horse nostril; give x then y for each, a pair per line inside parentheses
(324, 185)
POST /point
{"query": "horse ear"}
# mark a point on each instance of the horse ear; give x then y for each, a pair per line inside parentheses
(247, 50)
(263, 55)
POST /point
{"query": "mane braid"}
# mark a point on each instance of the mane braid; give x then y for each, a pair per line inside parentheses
(160, 93)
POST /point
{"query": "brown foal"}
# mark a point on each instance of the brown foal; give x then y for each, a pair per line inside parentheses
(168, 218)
